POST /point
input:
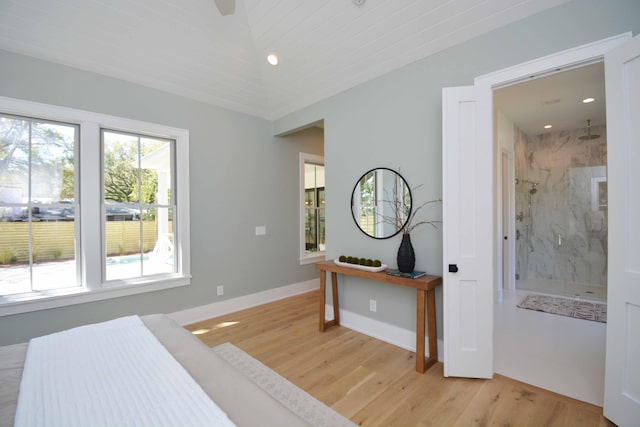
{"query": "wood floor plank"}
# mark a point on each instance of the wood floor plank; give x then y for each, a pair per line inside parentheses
(374, 383)
(482, 410)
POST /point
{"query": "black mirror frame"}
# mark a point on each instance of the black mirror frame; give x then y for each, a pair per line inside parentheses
(410, 198)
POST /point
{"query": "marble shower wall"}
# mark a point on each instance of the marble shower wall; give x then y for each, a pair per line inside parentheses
(563, 231)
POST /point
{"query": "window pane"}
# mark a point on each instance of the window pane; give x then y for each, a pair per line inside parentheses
(53, 251)
(310, 230)
(38, 233)
(158, 238)
(121, 161)
(310, 198)
(15, 274)
(14, 167)
(319, 176)
(309, 176)
(321, 232)
(124, 267)
(52, 168)
(155, 171)
(122, 232)
(128, 256)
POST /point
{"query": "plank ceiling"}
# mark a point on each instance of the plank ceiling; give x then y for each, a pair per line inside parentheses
(187, 48)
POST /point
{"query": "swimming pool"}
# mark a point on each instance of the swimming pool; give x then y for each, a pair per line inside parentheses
(126, 259)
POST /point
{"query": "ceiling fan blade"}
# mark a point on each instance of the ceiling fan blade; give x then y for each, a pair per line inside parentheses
(226, 7)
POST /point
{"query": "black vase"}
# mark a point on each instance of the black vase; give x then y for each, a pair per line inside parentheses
(406, 256)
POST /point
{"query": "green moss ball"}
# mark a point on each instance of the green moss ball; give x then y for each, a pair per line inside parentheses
(342, 258)
(377, 263)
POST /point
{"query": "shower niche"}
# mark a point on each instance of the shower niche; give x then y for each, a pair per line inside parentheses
(561, 212)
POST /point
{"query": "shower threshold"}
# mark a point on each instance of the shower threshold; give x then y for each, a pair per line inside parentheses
(588, 291)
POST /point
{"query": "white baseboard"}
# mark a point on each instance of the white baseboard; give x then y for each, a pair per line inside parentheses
(394, 335)
(204, 312)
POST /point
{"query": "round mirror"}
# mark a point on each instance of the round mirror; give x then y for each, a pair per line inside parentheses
(381, 203)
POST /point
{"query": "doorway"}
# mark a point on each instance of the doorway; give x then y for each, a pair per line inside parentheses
(555, 129)
(544, 181)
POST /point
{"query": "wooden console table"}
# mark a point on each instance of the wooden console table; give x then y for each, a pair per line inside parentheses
(425, 287)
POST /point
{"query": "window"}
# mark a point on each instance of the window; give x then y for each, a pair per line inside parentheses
(138, 207)
(91, 206)
(312, 212)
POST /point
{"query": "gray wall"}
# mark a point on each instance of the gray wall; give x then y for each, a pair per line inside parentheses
(241, 177)
(396, 121)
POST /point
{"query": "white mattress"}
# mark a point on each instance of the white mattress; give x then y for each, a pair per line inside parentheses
(111, 373)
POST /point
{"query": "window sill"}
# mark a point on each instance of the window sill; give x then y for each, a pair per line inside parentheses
(24, 303)
(312, 259)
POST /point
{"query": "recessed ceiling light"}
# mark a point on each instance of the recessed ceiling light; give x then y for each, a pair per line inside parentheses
(272, 59)
(588, 100)
(548, 126)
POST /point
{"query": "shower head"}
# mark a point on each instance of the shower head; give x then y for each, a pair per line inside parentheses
(534, 190)
(588, 136)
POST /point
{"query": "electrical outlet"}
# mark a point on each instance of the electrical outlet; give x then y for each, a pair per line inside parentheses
(220, 290)
(372, 305)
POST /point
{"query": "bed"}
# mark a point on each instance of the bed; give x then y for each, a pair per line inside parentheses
(244, 402)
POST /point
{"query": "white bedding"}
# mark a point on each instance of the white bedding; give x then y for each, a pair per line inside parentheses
(107, 374)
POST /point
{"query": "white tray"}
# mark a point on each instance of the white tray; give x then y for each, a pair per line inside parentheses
(383, 267)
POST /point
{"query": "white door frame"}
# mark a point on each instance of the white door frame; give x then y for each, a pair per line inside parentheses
(507, 221)
(552, 64)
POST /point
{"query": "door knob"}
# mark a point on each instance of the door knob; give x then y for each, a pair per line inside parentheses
(453, 268)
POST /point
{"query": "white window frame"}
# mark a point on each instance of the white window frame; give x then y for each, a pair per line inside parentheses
(305, 257)
(91, 220)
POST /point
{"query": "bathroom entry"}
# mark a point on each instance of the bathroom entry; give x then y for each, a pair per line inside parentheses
(554, 129)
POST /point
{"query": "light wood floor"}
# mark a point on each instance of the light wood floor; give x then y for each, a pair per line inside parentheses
(374, 383)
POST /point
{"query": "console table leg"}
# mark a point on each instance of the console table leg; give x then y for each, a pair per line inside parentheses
(432, 333)
(336, 305)
(323, 324)
(420, 362)
(323, 297)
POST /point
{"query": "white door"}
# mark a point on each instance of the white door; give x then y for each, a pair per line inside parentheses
(622, 376)
(468, 231)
